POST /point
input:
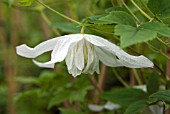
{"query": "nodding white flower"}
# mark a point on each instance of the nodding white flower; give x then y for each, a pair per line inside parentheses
(82, 53)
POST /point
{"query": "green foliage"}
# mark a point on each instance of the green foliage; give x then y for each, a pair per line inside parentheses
(136, 107)
(125, 96)
(68, 111)
(30, 102)
(130, 35)
(161, 8)
(119, 17)
(153, 84)
(160, 96)
(43, 91)
(26, 2)
(67, 27)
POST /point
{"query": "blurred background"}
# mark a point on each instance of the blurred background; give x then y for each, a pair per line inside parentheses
(28, 89)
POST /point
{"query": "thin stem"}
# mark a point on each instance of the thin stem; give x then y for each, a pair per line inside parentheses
(137, 76)
(146, 15)
(120, 78)
(163, 42)
(130, 11)
(68, 18)
(82, 29)
(49, 23)
(94, 83)
(146, 7)
(156, 50)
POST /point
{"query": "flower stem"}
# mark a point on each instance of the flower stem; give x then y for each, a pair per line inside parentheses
(158, 51)
(120, 78)
(146, 7)
(146, 15)
(130, 11)
(163, 42)
(68, 18)
(82, 29)
(49, 23)
(137, 76)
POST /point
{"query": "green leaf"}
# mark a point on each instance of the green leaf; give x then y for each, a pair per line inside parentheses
(95, 20)
(136, 107)
(67, 27)
(26, 80)
(119, 17)
(153, 84)
(26, 2)
(160, 28)
(59, 98)
(130, 35)
(69, 111)
(79, 95)
(160, 96)
(124, 97)
(161, 8)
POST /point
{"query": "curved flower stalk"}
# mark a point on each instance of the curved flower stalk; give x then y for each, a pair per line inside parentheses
(82, 53)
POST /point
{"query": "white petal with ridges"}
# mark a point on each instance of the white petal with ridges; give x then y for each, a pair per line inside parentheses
(125, 59)
(25, 51)
(107, 58)
(133, 61)
(60, 51)
(79, 55)
(69, 58)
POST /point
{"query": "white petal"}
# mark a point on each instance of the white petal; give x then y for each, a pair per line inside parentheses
(111, 106)
(101, 42)
(74, 71)
(107, 57)
(69, 58)
(44, 65)
(90, 58)
(25, 51)
(79, 55)
(156, 109)
(61, 49)
(93, 39)
(92, 62)
(133, 61)
(125, 59)
(96, 108)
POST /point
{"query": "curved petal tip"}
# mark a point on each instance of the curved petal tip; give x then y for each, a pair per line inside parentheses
(44, 65)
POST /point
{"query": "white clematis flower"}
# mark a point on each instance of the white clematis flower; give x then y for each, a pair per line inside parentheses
(82, 53)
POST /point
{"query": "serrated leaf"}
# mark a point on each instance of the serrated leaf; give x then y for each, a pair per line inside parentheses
(119, 17)
(26, 2)
(67, 27)
(160, 28)
(136, 107)
(59, 98)
(130, 35)
(160, 96)
(124, 97)
(153, 84)
(69, 111)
